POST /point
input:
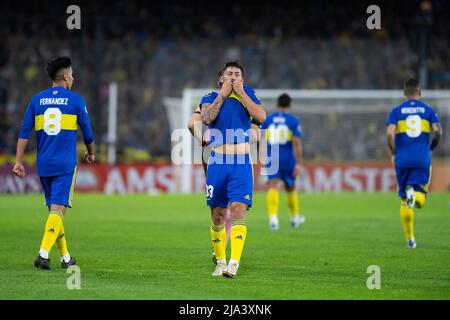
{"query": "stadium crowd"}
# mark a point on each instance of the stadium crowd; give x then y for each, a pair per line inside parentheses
(154, 51)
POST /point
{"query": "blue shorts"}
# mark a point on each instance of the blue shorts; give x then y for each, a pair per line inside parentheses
(59, 189)
(418, 177)
(286, 175)
(229, 178)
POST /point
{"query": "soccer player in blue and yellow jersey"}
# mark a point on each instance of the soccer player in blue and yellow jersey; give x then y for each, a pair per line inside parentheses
(55, 114)
(408, 134)
(195, 126)
(284, 131)
(229, 179)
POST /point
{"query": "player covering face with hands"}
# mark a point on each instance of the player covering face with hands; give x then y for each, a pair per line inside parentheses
(229, 180)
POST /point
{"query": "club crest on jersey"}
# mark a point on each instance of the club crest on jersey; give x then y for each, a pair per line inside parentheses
(55, 92)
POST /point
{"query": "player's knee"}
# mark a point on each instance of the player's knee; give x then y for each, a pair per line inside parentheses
(237, 210)
(217, 220)
(58, 209)
(219, 216)
(290, 188)
(274, 184)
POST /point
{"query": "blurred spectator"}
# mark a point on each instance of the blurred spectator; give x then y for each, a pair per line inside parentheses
(154, 50)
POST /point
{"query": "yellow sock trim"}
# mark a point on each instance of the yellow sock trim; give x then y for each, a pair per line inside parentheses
(292, 202)
(273, 200)
(52, 228)
(61, 242)
(407, 217)
(219, 238)
(420, 199)
(237, 238)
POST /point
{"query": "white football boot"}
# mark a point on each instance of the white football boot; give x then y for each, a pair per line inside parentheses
(410, 197)
(411, 243)
(297, 220)
(231, 270)
(273, 222)
(220, 267)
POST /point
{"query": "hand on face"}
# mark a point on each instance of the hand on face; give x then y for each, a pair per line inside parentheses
(238, 86)
(226, 88)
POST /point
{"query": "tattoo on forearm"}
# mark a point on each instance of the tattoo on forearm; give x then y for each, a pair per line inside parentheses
(210, 113)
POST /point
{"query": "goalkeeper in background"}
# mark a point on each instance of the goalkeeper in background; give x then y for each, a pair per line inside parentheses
(55, 113)
(409, 128)
(283, 130)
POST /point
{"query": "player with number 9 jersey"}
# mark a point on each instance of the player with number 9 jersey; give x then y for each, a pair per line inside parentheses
(409, 128)
(413, 120)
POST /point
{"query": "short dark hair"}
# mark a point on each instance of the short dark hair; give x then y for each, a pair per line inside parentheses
(284, 101)
(411, 87)
(57, 64)
(233, 64)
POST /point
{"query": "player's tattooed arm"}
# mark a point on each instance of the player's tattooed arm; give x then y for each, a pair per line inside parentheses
(211, 111)
(436, 130)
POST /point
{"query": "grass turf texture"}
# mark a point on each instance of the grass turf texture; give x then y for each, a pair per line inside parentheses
(158, 247)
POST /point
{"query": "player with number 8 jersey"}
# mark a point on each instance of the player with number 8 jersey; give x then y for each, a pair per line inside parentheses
(56, 113)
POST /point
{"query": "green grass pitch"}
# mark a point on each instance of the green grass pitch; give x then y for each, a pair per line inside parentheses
(158, 247)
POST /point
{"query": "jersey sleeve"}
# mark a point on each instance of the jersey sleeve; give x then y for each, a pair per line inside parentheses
(297, 129)
(434, 118)
(392, 119)
(207, 98)
(84, 122)
(251, 93)
(28, 122)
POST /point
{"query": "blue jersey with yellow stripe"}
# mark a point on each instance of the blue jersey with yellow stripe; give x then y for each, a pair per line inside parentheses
(280, 128)
(55, 114)
(413, 120)
(233, 121)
